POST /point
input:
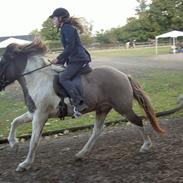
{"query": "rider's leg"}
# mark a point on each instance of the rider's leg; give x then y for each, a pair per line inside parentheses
(65, 79)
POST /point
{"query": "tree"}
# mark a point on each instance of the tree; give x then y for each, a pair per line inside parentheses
(141, 9)
(166, 15)
(48, 31)
(86, 36)
(35, 33)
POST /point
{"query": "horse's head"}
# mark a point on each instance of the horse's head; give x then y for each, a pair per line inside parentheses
(14, 60)
(12, 64)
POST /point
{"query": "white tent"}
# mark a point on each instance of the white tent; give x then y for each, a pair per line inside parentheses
(173, 34)
(10, 40)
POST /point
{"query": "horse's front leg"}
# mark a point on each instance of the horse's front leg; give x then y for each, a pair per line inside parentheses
(24, 118)
(38, 122)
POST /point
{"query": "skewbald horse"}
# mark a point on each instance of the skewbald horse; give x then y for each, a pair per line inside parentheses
(104, 88)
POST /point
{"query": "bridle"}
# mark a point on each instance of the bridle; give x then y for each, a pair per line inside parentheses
(4, 82)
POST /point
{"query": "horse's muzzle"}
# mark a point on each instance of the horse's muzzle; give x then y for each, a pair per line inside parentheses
(2, 86)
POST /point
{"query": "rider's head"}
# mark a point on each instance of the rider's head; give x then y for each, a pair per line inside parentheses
(59, 15)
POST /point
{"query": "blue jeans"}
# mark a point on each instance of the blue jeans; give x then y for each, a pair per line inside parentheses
(65, 79)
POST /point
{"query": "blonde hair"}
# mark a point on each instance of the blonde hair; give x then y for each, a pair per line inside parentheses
(76, 22)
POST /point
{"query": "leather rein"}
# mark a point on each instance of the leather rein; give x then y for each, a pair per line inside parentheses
(4, 82)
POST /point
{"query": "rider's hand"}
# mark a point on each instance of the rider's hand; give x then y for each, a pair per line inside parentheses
(54, 61)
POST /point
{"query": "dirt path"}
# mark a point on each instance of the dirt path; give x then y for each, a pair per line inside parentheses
(168, 62)
(114, 159)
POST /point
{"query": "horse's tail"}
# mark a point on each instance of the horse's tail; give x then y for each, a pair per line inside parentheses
(144, 102)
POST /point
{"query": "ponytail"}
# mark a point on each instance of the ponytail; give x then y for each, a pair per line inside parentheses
(76, 22)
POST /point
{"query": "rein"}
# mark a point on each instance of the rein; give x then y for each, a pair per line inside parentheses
(36, 69)
(4, 82)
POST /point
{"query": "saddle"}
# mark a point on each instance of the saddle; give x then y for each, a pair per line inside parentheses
(62, 93)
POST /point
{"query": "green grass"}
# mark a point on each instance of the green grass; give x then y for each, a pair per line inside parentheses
(162, 87)
(118, 52)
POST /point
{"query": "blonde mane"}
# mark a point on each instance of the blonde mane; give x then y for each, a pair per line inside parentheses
(34, 48)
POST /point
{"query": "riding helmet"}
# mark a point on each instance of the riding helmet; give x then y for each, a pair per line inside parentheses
(60, 12)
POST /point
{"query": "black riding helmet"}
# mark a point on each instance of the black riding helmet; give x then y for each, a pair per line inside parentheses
(60, 12)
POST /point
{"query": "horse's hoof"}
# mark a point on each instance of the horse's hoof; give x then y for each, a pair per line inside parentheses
(77, 159)
(146, 147)
(23, 166)
(143, 150)
(20, 169)
(79, 156)
(13, 143)
(14, 146)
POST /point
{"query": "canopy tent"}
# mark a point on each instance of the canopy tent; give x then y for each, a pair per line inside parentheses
(10, 40)
(173, 34)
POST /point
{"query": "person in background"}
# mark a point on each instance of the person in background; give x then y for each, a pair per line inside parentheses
(74, 56)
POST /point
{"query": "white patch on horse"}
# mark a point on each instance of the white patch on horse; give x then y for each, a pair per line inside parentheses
(41, 90)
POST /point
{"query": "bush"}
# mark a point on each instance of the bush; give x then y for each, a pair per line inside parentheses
(54, 45)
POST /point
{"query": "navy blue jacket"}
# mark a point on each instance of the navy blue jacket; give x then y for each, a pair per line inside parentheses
(73, 49)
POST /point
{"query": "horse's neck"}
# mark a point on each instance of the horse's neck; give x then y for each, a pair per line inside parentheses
(37, 79)
(38, 85)
(34, 62)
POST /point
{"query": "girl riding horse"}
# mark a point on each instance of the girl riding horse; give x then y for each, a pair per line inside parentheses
(75, 56)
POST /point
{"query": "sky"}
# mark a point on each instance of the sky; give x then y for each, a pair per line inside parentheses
(20, 17)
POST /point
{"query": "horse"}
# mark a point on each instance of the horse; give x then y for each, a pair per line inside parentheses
(104, 88)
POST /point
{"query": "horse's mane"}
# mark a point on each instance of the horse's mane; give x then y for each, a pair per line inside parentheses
(34, 48)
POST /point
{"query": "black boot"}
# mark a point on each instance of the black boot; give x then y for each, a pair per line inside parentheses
(77, 101)
(81, 107)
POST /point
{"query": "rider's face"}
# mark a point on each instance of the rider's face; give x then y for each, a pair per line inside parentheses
(55, 21)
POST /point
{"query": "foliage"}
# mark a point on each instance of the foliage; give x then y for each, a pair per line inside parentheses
(166, 14)
(35, 33)
(152, 19)
(50, 33)
(86, 36)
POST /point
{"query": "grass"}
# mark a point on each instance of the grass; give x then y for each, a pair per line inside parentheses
(148, 51)
(163, 87)
(121, 52)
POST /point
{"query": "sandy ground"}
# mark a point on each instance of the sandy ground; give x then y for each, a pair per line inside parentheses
(115, 158)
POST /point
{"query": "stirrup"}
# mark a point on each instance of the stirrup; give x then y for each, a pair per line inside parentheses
(76, 114)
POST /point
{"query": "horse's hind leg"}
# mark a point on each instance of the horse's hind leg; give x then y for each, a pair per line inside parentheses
(24, 118)
(132, 117)
(98, 128)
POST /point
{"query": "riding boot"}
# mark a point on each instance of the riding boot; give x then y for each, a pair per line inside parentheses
(77, 101)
